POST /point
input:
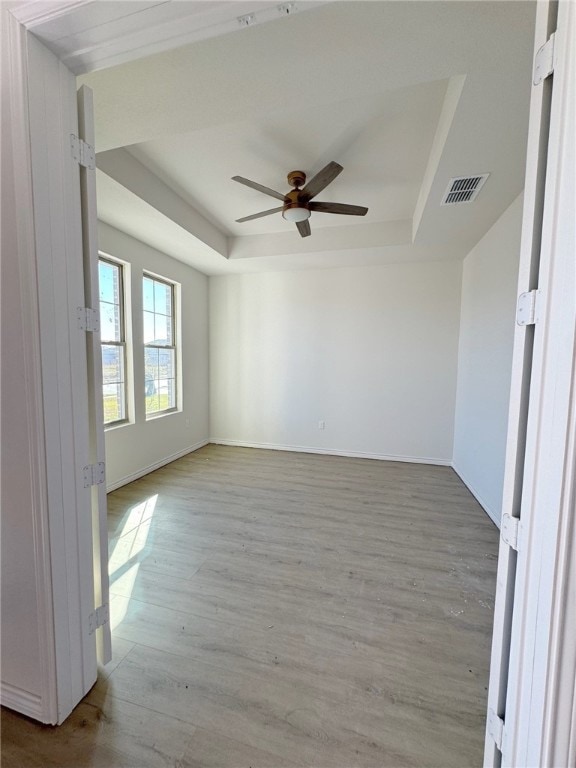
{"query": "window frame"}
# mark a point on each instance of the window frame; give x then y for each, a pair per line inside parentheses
(173, 346)
(122, 343)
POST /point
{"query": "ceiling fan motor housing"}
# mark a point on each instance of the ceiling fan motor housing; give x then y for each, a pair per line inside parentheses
(296, 178)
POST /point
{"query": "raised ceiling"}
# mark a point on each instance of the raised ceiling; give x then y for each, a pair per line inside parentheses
(404, 95)
(384, 137)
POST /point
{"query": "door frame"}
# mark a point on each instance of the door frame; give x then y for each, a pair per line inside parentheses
(551, 470)
(539, 727)
(43, 114)
(22, 233)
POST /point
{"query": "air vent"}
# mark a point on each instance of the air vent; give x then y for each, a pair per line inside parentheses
(464, 189)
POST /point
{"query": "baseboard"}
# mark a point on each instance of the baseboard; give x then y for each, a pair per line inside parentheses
(24, 702)
(274, 447)
(150, 468)
(333, 452)
(490, 512)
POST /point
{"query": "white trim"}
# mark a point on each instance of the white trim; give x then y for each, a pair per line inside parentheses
(519, 391)
(486, 507)
(29, 704)
(93, 353)
(86, 38)
(58, 231)
(157, 464)
(18, 126)
(332, 452)
(533, 710)
(34, 13)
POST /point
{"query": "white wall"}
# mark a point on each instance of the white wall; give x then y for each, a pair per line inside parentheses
(136, 448)
(489, 280)
(372, 351)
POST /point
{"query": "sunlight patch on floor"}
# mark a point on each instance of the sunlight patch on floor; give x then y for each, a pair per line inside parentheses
(127, 554)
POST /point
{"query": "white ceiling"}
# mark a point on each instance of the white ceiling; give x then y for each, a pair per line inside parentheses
(384, 137)
(405, 95)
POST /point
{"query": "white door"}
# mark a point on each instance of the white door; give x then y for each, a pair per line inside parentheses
(532, 573)
(94, 364)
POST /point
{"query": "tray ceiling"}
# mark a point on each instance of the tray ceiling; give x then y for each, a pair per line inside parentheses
(404, 95)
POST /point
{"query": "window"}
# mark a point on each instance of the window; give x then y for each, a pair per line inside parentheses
(113, 337)
(159, 345)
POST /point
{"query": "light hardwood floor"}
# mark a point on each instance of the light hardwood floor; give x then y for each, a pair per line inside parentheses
(276, 609)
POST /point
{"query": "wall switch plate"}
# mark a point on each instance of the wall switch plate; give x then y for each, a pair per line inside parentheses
(321, 425)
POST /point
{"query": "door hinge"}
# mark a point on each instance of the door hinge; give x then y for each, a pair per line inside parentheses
(82, 152)
(88, 319)
(510, 531)
(98, 618)
(94, 474)
(544, 61)
(496, 728)
(527, 308)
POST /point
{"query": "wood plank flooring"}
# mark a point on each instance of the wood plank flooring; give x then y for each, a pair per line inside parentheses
(276, 609)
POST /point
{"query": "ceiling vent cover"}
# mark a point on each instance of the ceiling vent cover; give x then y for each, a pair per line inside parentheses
(464, 189)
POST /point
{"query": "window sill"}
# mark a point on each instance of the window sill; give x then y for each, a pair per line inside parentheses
(162, 414)
(117, 425)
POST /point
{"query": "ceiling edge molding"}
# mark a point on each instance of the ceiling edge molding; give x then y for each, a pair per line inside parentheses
(353, 237)
(449, 107)
(349, 257)
(37, 12)
(121, 166)
(146, 32)
(127, 213)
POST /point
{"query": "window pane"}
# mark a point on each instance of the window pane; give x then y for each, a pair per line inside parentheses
(111, 330)
(162, 298)
(112, 364)
(113, 387)
(110, 322)
(166, 394)
(151, 365)
(166, 364)
(172, 392)
(156, 401)
(160, 330)
(113, 402)
(107, 277)
(160, 361)
(149, 336)
(148, 294)
(153, 405)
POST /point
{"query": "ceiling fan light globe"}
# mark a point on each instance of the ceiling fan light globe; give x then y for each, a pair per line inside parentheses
(296, 214)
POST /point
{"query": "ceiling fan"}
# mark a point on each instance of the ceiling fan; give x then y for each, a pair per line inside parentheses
(297, 204)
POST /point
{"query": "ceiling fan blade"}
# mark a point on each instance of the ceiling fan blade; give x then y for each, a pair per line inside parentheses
(343, 208)
(321, 180)
(259, 187)
(304, 227)
(259, 215)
